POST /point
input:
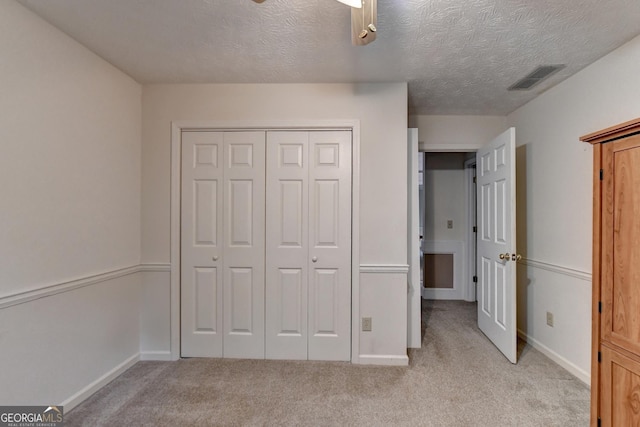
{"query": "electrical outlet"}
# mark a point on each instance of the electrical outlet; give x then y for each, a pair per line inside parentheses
(550, 319)
(449, 223)
(366, 324)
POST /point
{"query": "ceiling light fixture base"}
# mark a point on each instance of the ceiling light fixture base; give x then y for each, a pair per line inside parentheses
(352, 3)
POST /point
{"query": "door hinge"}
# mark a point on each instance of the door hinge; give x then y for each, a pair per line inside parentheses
(475, 229)
(599, 422)
(601, 174)
(599, 306)
(599, 357)
(475, 279)
(474, 179)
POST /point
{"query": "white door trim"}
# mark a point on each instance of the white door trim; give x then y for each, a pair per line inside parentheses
(469, 290)
(414, 293)
(176, 170)
(448, 148)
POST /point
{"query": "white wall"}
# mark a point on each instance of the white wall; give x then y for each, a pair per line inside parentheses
(456, 133)
(555, 198)
(155, 316)
(382, 111)
(70, 128)
(445, 197)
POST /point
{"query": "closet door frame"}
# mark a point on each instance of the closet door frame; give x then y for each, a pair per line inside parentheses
(177, 127)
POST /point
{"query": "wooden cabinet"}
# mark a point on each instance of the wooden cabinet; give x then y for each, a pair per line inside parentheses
(615, 375)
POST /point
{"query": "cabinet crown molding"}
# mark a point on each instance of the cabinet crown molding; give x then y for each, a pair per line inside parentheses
(614, 132)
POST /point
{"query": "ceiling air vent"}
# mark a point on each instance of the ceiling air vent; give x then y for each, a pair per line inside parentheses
(539, 74)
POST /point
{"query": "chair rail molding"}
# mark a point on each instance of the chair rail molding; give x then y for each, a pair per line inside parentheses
(554, 268)
(385, 268)
(70, 285)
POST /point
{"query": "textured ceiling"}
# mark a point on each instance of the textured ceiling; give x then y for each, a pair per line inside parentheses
(459, 56)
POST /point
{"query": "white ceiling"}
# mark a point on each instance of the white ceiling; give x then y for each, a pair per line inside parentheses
(459, 56)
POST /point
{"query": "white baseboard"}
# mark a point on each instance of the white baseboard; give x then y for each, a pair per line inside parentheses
(156, 355)
(96, 385)
(383, 359)
(579, 373)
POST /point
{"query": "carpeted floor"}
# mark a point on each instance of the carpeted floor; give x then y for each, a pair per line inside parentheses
(458, 378)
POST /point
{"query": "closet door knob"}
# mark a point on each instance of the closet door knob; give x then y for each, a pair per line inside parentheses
(215, 257)
(314, 259)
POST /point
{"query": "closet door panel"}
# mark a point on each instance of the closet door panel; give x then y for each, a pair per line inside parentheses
(201, 275)
(244, 212)
(329, 245)
(287, 245)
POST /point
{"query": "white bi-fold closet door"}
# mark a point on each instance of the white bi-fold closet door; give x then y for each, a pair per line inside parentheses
(308, 264)
(266, 276)
(222, 244)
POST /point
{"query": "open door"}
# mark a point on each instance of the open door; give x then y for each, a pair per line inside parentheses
(496, 187)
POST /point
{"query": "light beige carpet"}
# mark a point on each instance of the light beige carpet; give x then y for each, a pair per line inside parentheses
(458, 378)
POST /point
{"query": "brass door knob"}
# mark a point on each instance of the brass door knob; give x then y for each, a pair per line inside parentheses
(506, 256)
(516, 257)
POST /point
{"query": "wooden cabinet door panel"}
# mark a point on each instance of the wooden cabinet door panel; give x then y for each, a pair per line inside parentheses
(621, 244)
(620, 383)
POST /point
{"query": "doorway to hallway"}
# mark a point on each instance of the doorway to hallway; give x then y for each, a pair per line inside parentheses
(447, 225)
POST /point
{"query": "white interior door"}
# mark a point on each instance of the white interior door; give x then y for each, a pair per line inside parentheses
(413, 240)
(287, 245)
(244, 244)
(497, 243)
(329, 245)
(201, 244)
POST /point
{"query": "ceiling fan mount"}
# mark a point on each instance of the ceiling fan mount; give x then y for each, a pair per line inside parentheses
(364, 18)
